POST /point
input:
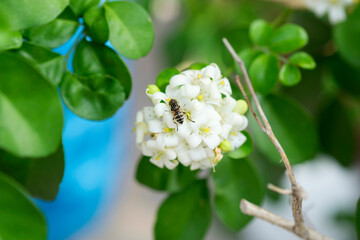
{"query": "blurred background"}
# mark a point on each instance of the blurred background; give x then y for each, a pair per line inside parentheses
(99, 197)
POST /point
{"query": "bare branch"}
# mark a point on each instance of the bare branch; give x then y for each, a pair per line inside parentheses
(256, 211)
(279, 190)
(297, 191)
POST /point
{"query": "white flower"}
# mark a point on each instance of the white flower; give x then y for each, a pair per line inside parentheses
(208, 118)
(336, 9)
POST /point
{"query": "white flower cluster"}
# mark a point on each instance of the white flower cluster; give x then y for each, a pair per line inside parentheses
(212, 121)
(336, 9)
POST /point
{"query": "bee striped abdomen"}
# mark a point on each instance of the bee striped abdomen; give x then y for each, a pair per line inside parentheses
(179, 117)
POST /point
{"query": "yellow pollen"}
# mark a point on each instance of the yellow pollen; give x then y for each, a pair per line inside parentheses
(188, 114)
(234, 134)
(207, 130)
(198, 76)
(157, 158)
(168, 100)
(166, 130)
(200, 97)
(222, 82)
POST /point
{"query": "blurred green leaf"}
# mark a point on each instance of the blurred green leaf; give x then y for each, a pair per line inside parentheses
(96, 25)
(291, 125)
(247, 55)
(20, 218)
(91, 58)
(337, 135)
(10, 39)
(347, 35)
(264, 73)
(31, 116)
(94, 97)
(289, 75)
(236, 179)
(51, 65)
(23, 14)
(288, 38)
(163, 78)
(261, 32)
(345, 76)
(40, 176)
(303, 60)
(80, 6)
(131, 28)
(185, 215)
(163, 179)
(244, 150)
(198, 66)
(357, 219)
(56, 32)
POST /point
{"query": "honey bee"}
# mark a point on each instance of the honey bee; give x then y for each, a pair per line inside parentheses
(178, 113)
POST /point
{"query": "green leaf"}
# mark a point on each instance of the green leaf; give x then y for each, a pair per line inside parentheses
(80, 6)
(163, 179)
(244, 150)
(51, 65)
(163, 78)
(347, 35)
(289, 75)
(198, 66)
(96, 25)
(303, 60)
(357, 219)
(185, 215)
(95, 97)
(247, 56)
(337, 141)
(291, 125)
(31, 116)
(20, 218)
(288, 38)
(91, 58)
(56, 32)
(236, 179)
(10, 39)
(346, 76)
(23, 14)
(264, 73)
(40, 176)
(260, 32)
(131, 28)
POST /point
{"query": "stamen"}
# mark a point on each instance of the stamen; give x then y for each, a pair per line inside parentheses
(222, 82)
(233, 133)
(207, 130)
(168, 100)
(166, 130)
(198, 76)
(200, 97)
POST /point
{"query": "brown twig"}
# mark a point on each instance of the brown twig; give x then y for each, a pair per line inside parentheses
(297, 193)
(253, 210)
(274, 188)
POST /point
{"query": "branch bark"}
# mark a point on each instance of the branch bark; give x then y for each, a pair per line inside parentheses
(297, 192)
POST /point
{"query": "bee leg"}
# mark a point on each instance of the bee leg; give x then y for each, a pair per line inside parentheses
(187, 116)
(177, 127)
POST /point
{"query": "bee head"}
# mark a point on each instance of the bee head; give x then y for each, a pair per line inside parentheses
(173, 103)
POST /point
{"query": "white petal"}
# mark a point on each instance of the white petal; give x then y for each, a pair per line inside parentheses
(205, 163)
(194, 140)
(155, 126)
(197, 154)
(194, 166)
(212, 140)
(168, 119)
(145, 150)
(225, 129)
(160, 141)
(149, 113)
(158, 163)
(212, 71)
(236, 141)
(170, 154)
(190, 91)
(337, 14)
(160, 109)
(184, 130)
(171, 140)
(184, 158)
(210, 153)
(171, 164)
(179, 79)
(139, 117)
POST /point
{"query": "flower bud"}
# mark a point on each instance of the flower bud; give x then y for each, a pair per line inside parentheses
(241, 107)
(225, 146)
(151, 89)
